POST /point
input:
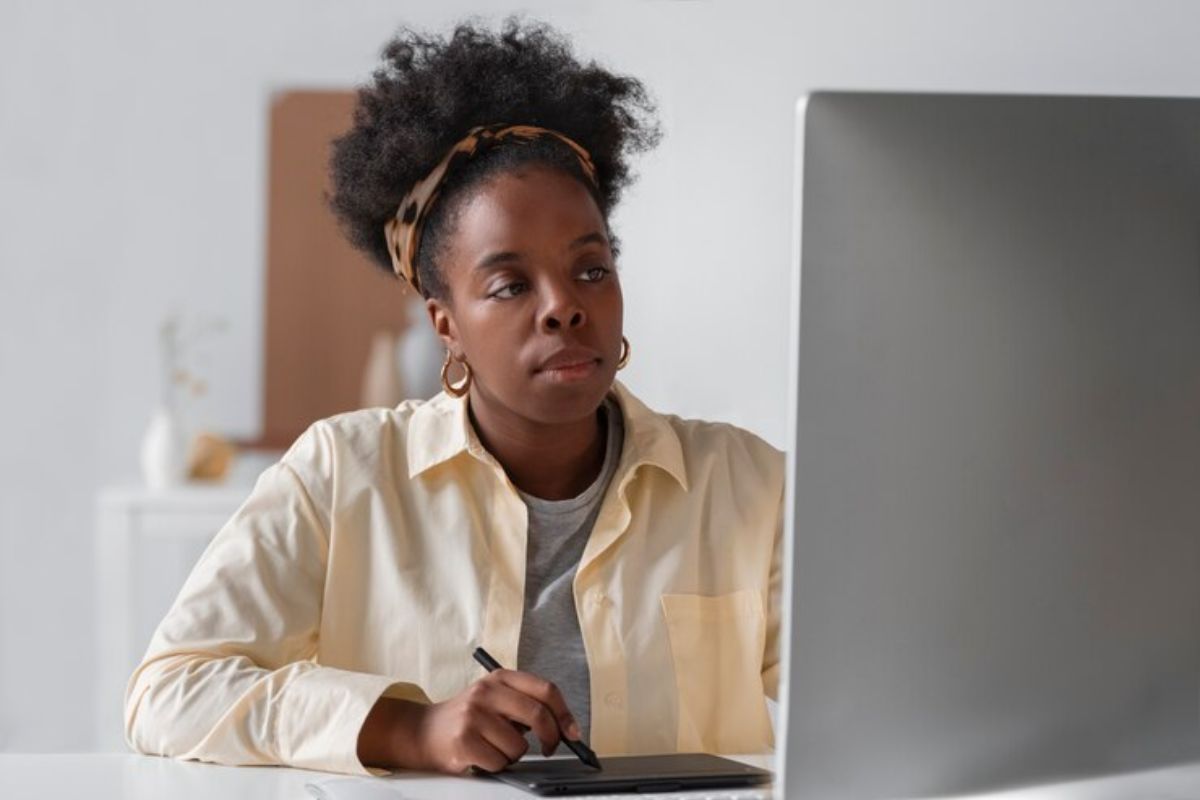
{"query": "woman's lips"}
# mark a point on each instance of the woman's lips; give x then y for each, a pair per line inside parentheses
(569, 364)
(567, 373)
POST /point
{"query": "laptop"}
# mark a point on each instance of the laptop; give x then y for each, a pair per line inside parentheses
(994, 514)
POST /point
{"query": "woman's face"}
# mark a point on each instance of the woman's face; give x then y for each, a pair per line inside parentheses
(534, 302)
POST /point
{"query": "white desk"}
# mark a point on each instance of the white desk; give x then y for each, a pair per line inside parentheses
(132, 777)
(113, 776)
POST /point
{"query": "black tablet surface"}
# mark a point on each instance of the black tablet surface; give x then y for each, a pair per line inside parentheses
(665, 773)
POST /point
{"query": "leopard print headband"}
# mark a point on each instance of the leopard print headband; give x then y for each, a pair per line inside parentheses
(403, 231)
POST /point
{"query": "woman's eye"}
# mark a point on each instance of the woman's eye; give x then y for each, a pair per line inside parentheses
(508, 290)
(594, 274)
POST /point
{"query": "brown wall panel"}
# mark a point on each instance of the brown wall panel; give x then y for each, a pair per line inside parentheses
(323, 299)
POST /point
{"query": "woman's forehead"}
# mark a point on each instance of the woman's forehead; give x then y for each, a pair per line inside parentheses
(530, 207)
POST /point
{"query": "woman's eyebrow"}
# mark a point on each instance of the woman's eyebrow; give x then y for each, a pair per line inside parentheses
(595, 237)
(496, 259)
(505, 256)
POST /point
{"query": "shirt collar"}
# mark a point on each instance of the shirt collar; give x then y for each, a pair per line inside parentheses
(441, 430)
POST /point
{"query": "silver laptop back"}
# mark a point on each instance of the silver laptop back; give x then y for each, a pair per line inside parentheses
(995, 564)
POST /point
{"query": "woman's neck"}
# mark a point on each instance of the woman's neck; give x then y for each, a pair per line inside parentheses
(551, 462)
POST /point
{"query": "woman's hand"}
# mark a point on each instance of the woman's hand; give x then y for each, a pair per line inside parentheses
(482, 726)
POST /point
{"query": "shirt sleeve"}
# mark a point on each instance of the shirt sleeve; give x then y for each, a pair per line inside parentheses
(230, 675)
(770, 670)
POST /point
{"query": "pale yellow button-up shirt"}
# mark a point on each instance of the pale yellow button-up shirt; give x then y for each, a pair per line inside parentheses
(387, 543)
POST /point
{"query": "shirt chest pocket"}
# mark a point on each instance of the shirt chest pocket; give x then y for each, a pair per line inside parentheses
(717, 647)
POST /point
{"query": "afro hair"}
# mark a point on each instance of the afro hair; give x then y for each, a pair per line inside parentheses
(430, 91)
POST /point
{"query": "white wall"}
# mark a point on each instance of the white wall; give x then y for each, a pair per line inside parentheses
(131, 173)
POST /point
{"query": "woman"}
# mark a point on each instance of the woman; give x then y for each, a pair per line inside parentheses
(624, 563)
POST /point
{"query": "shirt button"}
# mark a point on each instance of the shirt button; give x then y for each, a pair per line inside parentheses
(600, 599)
(613, 700)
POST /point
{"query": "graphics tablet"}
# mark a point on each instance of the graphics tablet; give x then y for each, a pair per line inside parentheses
(662, 773)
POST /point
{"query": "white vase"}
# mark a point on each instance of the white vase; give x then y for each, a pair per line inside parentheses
(164, 450)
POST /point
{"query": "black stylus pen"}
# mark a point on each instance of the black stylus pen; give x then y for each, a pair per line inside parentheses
(577, 747)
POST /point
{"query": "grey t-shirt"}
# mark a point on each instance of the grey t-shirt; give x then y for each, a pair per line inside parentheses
(551, 645)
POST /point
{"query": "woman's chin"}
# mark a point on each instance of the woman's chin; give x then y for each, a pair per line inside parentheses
(569, 397)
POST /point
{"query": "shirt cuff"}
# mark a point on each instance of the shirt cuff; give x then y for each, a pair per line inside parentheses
(321, 714)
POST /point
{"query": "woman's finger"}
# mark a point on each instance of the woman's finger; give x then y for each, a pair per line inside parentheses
(546, 693)
(479, 752)
(525, 710)
(503, 735)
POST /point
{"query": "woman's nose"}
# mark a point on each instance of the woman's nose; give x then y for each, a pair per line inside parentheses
(562, 310)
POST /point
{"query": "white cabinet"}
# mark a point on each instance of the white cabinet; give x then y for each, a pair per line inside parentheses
(147, 542)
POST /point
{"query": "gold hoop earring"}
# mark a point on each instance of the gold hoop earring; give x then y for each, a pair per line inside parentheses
(452, 390)
(626, 350)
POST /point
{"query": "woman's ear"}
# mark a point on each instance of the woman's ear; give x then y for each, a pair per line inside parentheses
(443, 325)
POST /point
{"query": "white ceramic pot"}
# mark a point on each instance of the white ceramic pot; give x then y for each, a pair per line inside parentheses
(164, 450)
